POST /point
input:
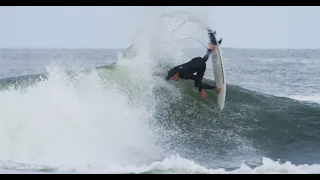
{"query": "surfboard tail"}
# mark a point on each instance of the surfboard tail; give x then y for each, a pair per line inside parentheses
(212, 37)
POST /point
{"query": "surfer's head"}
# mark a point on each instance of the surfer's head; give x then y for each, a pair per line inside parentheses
(173, 75)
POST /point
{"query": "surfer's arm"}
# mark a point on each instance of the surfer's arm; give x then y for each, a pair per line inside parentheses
(198, 80)
(206, 56)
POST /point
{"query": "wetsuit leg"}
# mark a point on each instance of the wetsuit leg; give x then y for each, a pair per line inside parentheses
(207, 86)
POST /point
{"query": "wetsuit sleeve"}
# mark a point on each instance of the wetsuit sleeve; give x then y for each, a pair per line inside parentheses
(198, 80)
(198, 77)
(206, 56)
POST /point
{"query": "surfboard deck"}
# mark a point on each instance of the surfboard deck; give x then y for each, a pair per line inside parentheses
(218, 69)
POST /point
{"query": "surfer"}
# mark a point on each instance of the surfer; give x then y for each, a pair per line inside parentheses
(196, 65)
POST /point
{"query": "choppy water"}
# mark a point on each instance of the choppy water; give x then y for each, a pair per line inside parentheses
(115, 120)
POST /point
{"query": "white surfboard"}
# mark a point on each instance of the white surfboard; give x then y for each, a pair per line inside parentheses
(219, 75)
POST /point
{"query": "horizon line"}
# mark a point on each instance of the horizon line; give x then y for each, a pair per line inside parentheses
(80, 48)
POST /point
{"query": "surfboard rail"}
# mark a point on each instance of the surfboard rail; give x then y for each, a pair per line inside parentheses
(218, 69)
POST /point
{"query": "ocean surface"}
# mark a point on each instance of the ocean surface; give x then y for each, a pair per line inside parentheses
(67, 111)
(111, 110)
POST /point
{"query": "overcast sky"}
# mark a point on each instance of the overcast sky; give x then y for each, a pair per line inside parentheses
(115, 27)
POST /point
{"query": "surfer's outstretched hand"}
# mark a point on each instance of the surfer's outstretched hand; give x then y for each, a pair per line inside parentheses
(218, 89)
(202, 94)
(211, 47)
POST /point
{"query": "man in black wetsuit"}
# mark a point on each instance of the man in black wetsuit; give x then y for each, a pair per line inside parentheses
(196, 65)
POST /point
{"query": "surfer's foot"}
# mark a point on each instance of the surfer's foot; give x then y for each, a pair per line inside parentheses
(218, 90)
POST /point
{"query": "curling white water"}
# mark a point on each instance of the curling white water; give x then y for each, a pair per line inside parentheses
(82, 121)
(85, 120)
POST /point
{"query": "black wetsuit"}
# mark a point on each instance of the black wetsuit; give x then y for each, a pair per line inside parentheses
(196, 65)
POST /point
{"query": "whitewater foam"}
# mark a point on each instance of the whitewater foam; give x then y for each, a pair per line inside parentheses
(85, 119)
(171, 165)
(77, 121)
(176, 164)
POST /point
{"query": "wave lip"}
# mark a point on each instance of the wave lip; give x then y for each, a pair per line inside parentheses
(310, 98)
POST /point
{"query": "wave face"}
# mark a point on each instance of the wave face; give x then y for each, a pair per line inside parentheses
(89, 123)
(125, 118)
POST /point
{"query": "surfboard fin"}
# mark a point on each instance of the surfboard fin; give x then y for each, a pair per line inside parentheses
(212, 36)
(220, 41)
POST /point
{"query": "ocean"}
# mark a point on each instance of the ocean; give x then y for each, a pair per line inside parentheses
(74, 111)
(111, 110)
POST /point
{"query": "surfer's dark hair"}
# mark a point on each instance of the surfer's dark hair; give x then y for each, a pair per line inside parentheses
(172, 72)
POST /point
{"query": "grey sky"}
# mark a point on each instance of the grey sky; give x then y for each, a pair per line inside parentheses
(115, 27)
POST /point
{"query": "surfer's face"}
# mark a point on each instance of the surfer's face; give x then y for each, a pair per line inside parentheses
(175, 77)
